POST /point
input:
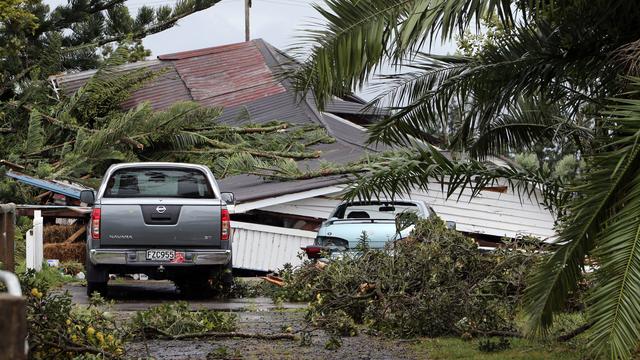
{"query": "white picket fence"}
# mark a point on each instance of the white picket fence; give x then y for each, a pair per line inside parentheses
(34, 240)
(267, 248)
(255, 247)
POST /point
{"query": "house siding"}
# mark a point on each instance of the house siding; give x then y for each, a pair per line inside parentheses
(490, 213)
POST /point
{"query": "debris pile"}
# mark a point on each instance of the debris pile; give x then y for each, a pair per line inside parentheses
(435, 284)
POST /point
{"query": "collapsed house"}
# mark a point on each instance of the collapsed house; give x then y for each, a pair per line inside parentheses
(273, 219)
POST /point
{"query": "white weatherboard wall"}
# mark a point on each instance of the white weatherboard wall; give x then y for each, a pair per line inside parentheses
(267, 248)
(490, 213)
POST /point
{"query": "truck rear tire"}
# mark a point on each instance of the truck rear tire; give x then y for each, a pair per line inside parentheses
(195, 287)
(97, 278)
(97, 286)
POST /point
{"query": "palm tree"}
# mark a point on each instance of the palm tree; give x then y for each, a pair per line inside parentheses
(558, 72)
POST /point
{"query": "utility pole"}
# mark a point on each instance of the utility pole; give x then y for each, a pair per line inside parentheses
(247, 17)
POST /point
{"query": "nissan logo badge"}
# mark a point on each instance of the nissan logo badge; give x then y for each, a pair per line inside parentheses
(161, 209)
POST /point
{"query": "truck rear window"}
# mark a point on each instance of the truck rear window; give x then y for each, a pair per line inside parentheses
(158, 182)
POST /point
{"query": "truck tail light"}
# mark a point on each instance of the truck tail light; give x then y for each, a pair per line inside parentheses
(95, 224)
(225, 225)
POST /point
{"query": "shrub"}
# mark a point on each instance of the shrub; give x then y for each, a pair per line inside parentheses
(57, 330)
(434, 283)
(172, 319)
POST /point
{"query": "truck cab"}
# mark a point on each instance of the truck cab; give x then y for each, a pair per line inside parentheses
(166, 220)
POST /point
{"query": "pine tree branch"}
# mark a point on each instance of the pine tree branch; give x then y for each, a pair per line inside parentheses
(54, 121)
(258, 153)
(153, 29)
(51, 148)
(575, 332)
(246, 130)
(343, 170)
(215, 334)
(76, 16)
(9, 84)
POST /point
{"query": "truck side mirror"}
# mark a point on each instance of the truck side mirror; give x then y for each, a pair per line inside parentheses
(451, 225)
(228, 198)
(88, 197)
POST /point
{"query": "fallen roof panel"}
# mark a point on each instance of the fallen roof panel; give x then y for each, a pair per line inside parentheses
(70, 190)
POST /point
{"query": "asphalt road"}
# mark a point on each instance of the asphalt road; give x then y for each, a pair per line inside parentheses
(136, 295)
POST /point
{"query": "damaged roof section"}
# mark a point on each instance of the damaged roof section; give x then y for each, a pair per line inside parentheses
(56, 186)
(244, 79)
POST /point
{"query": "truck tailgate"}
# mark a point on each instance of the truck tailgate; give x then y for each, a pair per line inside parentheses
(160, 223)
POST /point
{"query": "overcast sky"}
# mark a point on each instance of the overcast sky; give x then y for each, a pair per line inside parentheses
(277, 21)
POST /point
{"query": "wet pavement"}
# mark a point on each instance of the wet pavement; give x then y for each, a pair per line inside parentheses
(136, 295)
(255, 315)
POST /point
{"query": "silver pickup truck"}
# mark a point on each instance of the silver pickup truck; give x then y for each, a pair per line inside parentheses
(166, 220)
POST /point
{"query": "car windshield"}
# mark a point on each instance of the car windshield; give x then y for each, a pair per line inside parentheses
(158, 182)
(375, 210)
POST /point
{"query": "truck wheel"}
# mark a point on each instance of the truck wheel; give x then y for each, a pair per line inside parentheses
(226, 280)
(97, 278)
(195, 287)
(97, 286)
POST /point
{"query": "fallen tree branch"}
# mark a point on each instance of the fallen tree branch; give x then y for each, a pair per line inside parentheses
(575, 332)
(69, 346)
(215, 334)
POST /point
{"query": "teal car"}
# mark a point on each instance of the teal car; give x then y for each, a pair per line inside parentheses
(381, 220)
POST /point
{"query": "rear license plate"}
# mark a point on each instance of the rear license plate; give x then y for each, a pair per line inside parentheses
(161, 255)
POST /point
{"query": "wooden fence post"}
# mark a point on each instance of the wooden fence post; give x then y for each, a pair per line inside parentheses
(13, 327)
(7, 234)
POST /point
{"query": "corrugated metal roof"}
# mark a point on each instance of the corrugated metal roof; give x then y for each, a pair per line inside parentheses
(227, 75)
(165, 90)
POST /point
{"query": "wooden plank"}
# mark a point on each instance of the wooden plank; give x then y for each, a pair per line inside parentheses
(75, 235)
(55, 213)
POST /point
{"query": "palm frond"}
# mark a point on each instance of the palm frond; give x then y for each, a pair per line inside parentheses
(401, 172)
(360, 35)
(523, 126)
(614, 309)
(602, 219)
(526, 64)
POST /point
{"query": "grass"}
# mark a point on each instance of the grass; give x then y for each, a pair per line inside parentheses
(455, 348)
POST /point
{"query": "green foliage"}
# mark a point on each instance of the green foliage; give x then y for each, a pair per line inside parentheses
(57, 330)
(521, 349)
(88, 131)
(37, 41)
(528, 161)
(489, 345)
(171, 319)
(434, 283)
(35, 135)
(550, 78)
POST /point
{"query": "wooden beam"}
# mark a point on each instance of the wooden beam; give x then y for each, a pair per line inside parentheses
(11, 165)
(75, 235)
(55, 213)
